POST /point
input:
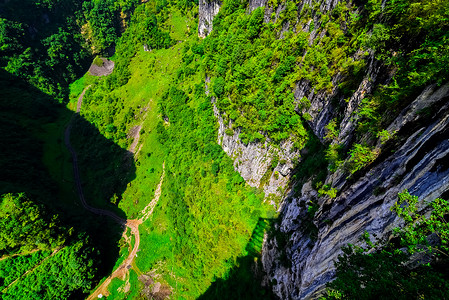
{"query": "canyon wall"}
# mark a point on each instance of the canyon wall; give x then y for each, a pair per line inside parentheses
(415, 158)
(208, 9)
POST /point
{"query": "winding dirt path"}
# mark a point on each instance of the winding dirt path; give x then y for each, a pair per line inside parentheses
(122, 270)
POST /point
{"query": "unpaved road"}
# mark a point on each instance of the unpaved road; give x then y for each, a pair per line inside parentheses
(122, 270)
(18, 254)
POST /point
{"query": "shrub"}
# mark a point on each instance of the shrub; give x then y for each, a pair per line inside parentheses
(327, 190)
(333, 156)
(331, 130)
(98, 61)
(274, 162)
(384, 136)
(219, 86)
(379, 271)
(361, 156)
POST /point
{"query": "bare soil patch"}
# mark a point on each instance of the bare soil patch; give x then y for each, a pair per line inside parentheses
(104, 70)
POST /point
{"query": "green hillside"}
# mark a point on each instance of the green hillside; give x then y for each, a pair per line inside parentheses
(146, 137)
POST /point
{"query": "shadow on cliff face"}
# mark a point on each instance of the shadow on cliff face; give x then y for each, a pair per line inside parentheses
(244, 281)
(34, 160)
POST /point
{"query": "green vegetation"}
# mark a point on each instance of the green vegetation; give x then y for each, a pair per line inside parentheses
(98, 61)
(51, 55)
(312, 164)
(205, 215)
(12, 268)
(361, 156)
(42, 41)
(37, 203)
(153, 111)
(385, 270)
(239, 55)
(57, 276)
(243, 280)
(24, 228)
(213, 223)
(327, 190)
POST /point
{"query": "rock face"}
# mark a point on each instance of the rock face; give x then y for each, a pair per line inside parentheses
(256, 162)
(208, 9)
(419, 164)
(300, 263)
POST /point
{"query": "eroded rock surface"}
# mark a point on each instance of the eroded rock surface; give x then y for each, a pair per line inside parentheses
(419, 164)
(208, 9)
(105, 69)
(254, 161)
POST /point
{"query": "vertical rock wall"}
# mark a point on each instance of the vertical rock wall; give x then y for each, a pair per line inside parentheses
(254, 160)
(300, 263)
(208, 9)
(418, 164)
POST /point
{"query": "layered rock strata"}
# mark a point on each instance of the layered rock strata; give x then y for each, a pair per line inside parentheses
(417, 162)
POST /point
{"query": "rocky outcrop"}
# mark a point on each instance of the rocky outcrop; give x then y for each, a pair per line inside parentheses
(254, 160)
(253, 4)
(105, 68)
(208, 9)
(322, 110)
(260, 164)
(419, 164)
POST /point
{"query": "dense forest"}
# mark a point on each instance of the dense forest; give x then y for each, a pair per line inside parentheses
(146, 136)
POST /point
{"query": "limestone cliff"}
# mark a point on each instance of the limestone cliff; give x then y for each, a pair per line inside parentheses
(299, 258)
(261, 165)
(208, 9)
(417, 162)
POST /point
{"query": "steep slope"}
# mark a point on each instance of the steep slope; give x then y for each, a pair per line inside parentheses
(206, 215)
(363, 204)
(299, 92)
(292, 124)
(378, 107)
(45, 239)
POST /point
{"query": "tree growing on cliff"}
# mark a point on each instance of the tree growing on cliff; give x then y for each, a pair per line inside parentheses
(390, 271)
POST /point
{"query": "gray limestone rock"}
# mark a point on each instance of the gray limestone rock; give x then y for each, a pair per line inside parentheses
(419, 165)
(208, 9)
(254, 160)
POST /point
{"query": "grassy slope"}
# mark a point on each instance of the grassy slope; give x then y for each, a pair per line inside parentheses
(152, 74)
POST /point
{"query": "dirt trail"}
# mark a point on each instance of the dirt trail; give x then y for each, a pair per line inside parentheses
(122, 270)
(148, 210)
(135, 134)
(80, 99)
(18, 254)
(31, 270)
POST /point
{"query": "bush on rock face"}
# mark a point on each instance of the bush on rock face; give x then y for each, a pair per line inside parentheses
(409, 266)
